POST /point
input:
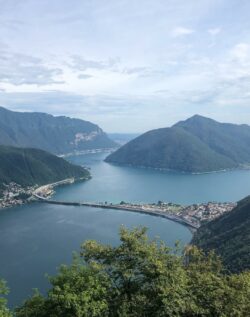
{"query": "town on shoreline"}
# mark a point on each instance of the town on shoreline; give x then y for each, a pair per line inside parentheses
(14, 194)
(193, 215)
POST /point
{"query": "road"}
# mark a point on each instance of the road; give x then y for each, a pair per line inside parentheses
(131, 208)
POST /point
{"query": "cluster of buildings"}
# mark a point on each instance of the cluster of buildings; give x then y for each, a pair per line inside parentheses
(195, 214)
(14, 194)
(206, 211)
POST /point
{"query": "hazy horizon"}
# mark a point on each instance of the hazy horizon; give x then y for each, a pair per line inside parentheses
(127, 66)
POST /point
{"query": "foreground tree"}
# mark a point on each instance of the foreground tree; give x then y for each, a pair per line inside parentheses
(142, 278)
(4, 312)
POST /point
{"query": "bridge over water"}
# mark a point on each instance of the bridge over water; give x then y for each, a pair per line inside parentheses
(136, 209)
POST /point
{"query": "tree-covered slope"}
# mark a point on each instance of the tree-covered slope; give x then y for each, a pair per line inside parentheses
(229, 236)
(140, 278)
(196, 145)
(54, 134)
(170, 148)
(28, 167)
(227, 139)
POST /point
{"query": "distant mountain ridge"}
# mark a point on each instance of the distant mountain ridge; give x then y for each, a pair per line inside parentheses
(230, 140)
(28, 167)
(195, 145)
(229, 236)
(58, 135)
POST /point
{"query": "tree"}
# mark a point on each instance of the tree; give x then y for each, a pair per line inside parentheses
(139, 270)
(142, 278)
(76, 291)
(4, 312)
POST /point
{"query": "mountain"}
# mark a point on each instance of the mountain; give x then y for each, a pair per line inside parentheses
(57, 135)
(198, 144)
(28, 167)
(230, 140)
(229, 236)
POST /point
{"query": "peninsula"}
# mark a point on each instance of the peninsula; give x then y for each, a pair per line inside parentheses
(23, 170)
(193, 216)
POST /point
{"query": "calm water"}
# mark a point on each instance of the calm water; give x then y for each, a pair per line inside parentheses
(115, 183)
(35, 239)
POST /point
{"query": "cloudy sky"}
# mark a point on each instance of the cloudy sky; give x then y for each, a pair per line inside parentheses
(127, 65)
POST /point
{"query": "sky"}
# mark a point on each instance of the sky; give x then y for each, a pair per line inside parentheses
(127, 65)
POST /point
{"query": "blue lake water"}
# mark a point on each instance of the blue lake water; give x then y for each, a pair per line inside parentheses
(35, 239)
(115, 183)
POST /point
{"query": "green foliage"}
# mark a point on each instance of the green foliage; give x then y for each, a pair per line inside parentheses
(229, 140)
(53, 134)
(229, 236)
(76, 291)
(196, 145)
(142, 278)
(138, 271)
(4, 312)
(34, 306)
(31, 166)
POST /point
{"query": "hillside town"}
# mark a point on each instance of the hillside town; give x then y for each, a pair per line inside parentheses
(206, 211)
(195, 213)
(14, 194)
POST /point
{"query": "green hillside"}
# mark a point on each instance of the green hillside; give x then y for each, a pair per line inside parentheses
(57, 135)
(28, 167)
(229, 236)
(196, 145)
(230, 140)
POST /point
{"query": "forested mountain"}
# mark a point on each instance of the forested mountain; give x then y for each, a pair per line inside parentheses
(196, 145)
(28, 167)
(229, 236)
(230, 140)
(57, 135)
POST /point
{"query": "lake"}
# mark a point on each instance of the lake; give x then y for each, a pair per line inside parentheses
(35, 239)
(114, 183)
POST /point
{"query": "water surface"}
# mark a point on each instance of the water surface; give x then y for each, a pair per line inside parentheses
(35, 239)
(114, 183)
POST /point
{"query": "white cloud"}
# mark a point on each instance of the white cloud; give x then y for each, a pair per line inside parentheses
(214, 31)
(20, 69)
(241, 52)
(181, 31)
(84, 76)
(162, 58)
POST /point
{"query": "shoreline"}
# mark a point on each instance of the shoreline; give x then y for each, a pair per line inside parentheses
(87, 151)
(155, 213)
(186, 215)
(47, 190)
(238, 168)
(191, 216)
